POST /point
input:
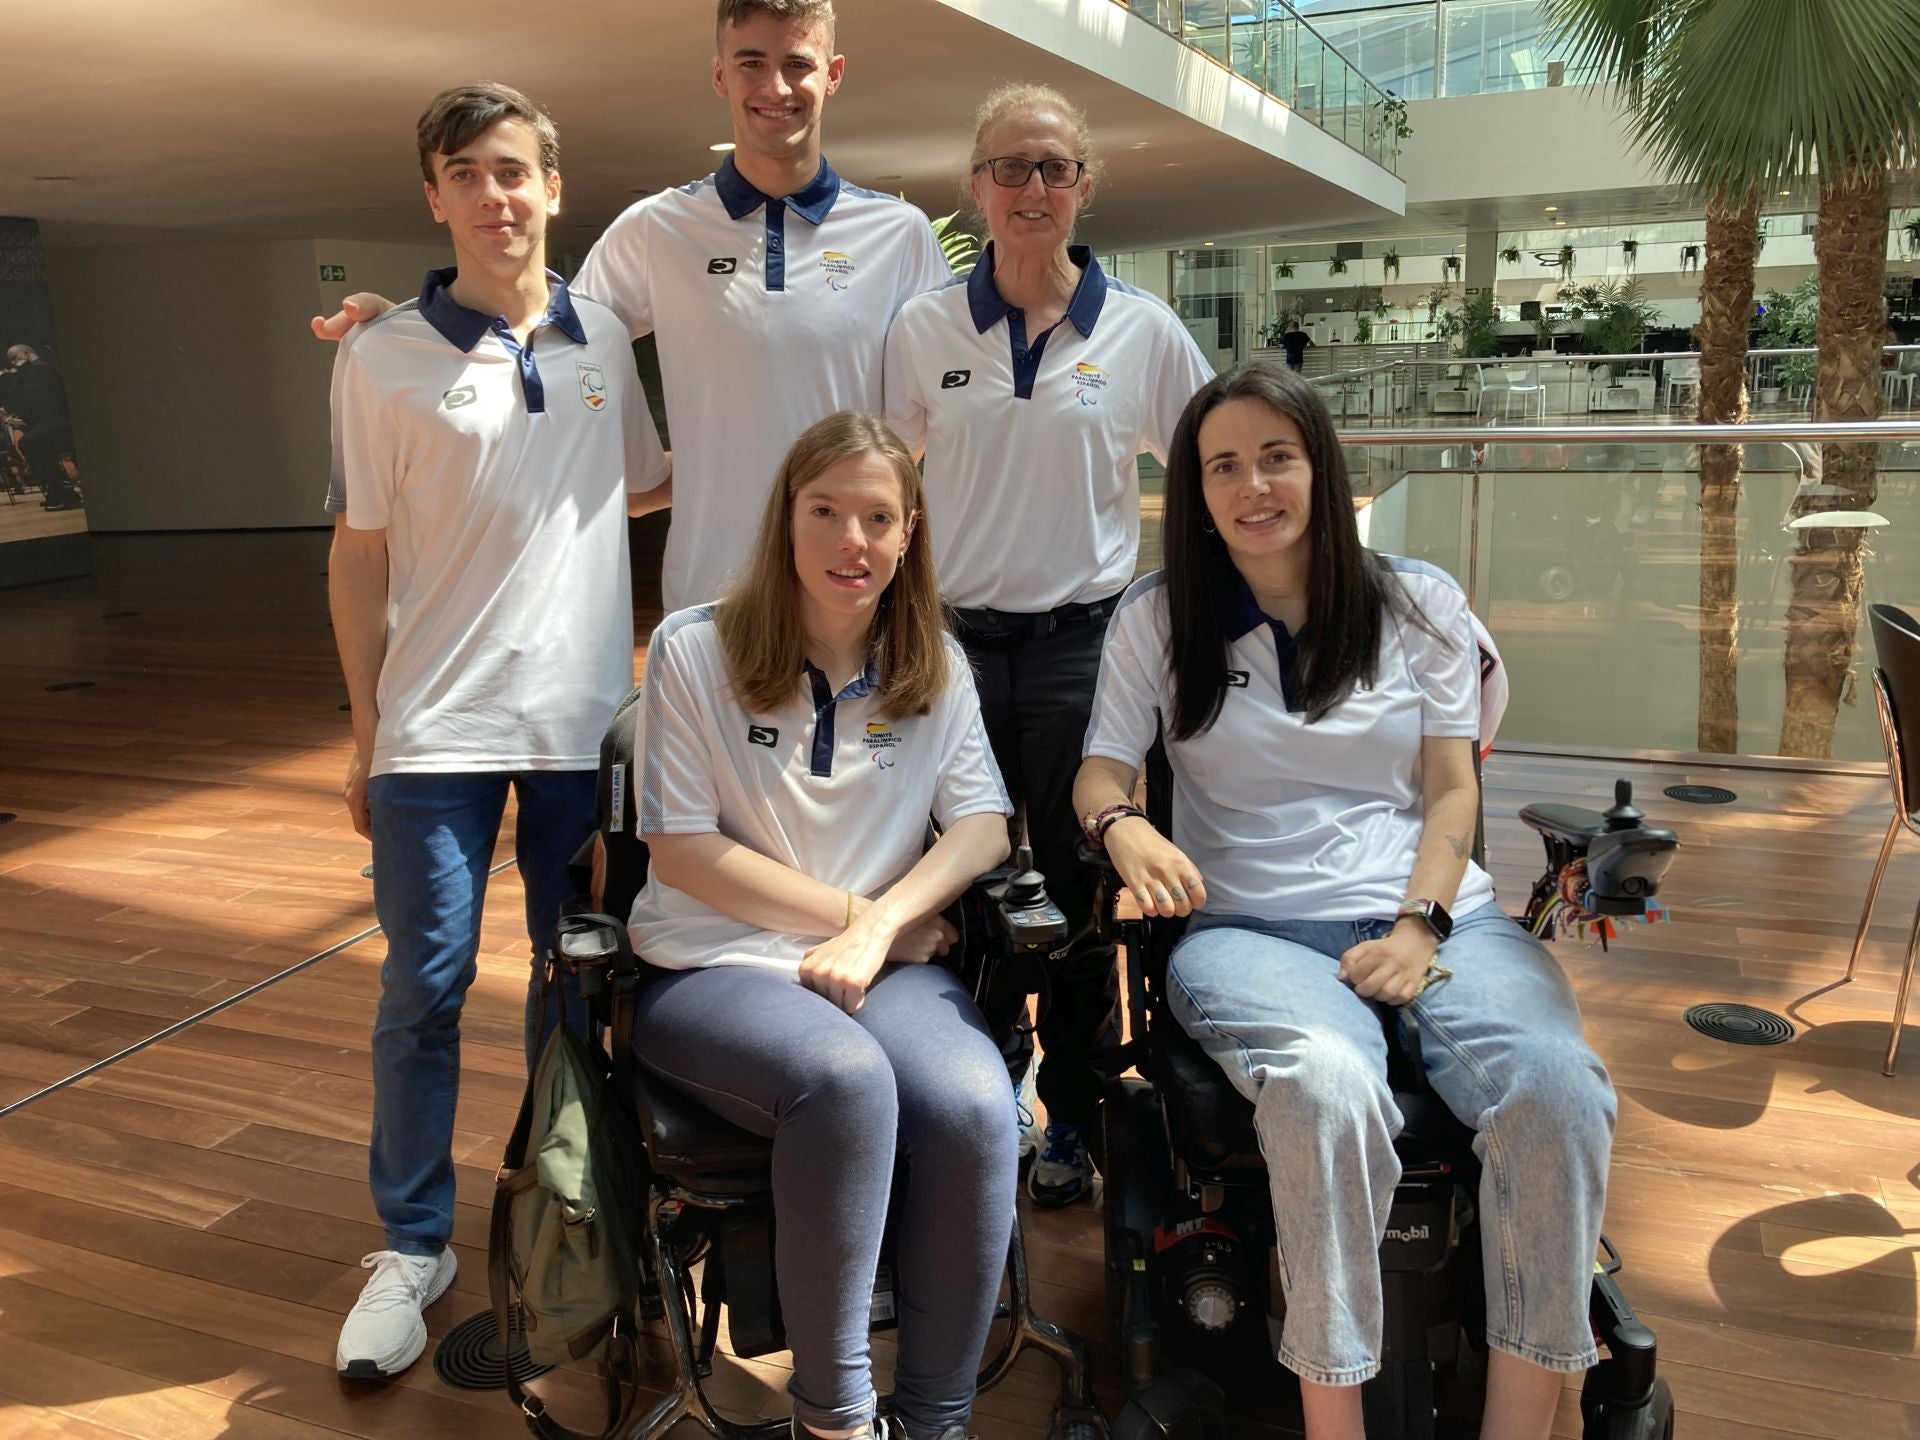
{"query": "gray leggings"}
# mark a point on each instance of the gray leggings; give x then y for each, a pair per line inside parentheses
(835, 1092)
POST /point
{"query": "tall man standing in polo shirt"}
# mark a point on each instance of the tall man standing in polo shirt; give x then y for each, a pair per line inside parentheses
(769, 284)
(490, 439)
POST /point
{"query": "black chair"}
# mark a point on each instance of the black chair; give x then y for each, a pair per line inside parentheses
(1896, 686)
(710, 1184)
(1190, 1247)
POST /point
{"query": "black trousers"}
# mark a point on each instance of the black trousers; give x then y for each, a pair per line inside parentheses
(1036, 677)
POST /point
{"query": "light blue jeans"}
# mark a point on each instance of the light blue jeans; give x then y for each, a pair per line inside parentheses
(1502, 1045)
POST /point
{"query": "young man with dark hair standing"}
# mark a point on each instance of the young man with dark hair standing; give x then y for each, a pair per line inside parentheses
(769, 283)
(490, 439)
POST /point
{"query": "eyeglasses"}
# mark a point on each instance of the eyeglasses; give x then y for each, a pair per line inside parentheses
(1012, 171)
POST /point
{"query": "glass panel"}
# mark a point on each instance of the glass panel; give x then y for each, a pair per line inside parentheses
(1586, 568)
(1392, 48)
(1496, 45)
(1307, 96)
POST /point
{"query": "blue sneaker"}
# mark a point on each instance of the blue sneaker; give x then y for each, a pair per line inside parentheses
(1063, 1173)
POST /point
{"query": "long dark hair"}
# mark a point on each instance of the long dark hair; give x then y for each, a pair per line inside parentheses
(1349, 589)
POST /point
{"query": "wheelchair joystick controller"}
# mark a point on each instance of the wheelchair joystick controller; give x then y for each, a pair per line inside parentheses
(1026, 917)
(1623, 816)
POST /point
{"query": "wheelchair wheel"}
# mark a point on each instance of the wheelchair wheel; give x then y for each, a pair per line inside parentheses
(1180, 1405)
(1651, 1421)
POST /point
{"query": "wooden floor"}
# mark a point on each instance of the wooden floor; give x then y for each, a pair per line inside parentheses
(178, 1233)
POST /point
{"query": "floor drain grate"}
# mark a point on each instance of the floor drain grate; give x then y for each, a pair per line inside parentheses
(1700, 794)
(468, 1358)
(1740, 1024)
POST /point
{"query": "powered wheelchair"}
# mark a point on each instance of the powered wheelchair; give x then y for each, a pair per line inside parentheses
(1191, 1258)
(708, 1184)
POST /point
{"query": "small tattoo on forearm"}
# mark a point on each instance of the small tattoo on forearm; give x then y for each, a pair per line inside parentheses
(1462, 847)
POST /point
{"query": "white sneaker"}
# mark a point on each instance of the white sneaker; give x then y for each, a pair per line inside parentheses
(1023, 1119)
(385, 1333)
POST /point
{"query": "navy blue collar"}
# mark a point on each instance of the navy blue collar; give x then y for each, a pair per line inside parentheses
(810, 202)
(464, 328)
(989, 307)
(866, 681)
(1241, 614)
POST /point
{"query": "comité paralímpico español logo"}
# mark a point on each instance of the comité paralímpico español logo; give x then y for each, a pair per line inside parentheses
(881, 742)
(1088, 382)
(838, 267)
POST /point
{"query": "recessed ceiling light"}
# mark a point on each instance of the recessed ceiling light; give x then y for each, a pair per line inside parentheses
(1171, 165)
(1786, 192)
(722, 147)
(1552, 208)
(1207, 243)
(1139, 144)
(1559, 222)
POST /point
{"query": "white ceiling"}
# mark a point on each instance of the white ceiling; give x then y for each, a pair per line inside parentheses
(294, 118)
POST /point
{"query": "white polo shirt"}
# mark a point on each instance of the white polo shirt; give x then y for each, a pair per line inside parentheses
(1286, 820)
(772, 314)
(828, 784)
(500, 475)
(1033, 480)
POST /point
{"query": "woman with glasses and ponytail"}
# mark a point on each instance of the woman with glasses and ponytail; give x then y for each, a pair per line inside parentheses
(1034, 385)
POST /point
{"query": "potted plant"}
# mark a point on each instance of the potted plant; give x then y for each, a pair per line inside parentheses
(1630, 252)
(1620, 315)
(1283, 270)
(1910, 237)
(1689, 258)
(1566, 262)
(1790, 321)
(961, 247)
(1390, 127)
(1336, 266)
(1390, 265)
(1435, 298)
(1363, 330)
(1511, 254)
(1450, 266)
(1545, 327)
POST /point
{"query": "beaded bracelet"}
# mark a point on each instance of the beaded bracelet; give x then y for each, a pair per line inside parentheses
(1105, 820)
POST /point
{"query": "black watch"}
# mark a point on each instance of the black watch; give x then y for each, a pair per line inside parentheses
(1432, 914)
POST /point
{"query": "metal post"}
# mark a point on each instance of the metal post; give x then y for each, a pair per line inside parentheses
(1478, 451)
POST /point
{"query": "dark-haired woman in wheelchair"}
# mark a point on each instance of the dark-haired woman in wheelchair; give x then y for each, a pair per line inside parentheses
(792, 742)
(1320, 707)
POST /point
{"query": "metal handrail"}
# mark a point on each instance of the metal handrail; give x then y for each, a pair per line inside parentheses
(1574, 357)
(1804, 432)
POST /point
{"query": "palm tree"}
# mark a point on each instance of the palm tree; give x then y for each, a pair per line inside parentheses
(1733, 96)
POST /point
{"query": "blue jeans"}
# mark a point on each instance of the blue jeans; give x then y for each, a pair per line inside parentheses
(433, 839)
(1502, 1046)
(911, 1075)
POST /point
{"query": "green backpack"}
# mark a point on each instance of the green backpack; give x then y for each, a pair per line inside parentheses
(567, 1208)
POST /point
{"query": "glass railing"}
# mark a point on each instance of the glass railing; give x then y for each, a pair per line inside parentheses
(1569, 386)
(1581, 549)
(1267, 43)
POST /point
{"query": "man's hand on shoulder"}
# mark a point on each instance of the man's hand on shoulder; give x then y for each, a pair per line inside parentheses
(353, 310)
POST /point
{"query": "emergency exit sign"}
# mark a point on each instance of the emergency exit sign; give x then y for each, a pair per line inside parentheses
(333, 272)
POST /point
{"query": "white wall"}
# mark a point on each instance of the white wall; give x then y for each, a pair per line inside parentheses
(1552, 142)
(199, 397)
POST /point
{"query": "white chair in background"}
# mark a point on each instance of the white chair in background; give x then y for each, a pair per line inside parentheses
(1679, 375)
(1526, 385)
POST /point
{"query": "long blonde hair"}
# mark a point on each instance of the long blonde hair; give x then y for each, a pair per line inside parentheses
(759, 618)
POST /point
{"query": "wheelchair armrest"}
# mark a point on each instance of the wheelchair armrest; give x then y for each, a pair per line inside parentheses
(1570, 823)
